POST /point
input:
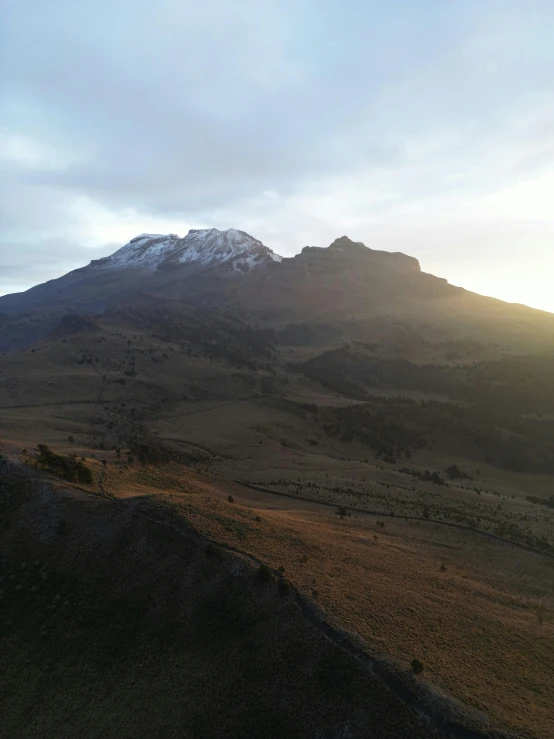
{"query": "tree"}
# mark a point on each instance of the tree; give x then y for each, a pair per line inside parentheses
(69, 468)
(455, 473)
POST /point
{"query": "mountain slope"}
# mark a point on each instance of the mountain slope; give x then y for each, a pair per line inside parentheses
(149, 651)
(237, 249)
(165, 265)
(372, 295)
(349, 291)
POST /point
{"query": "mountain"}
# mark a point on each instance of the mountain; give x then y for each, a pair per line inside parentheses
(154, 263)
(205, 247)
(349, 291)
(346, 291)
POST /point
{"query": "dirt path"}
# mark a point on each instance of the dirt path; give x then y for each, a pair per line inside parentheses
(211, 408)
(60, 402)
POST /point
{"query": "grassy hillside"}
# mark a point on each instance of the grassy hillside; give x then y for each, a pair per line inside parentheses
(478, 613)
(115, 624)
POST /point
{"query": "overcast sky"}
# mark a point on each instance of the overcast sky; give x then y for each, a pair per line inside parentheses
(425, 127)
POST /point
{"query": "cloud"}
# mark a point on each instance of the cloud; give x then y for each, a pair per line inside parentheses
(411, 125)
(37, 260)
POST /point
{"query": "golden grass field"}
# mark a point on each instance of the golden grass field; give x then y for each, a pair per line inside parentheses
(479, 614)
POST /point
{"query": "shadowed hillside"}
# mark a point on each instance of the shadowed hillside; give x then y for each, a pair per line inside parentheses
(146, 627)
(130, 591)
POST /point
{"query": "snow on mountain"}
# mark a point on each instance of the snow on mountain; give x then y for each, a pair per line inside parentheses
(146, 250)
(236, 249)
(211, 245)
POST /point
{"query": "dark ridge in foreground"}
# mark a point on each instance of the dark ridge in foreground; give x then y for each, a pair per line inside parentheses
(120, 620)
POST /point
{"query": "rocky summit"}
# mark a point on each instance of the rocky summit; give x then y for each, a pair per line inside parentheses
(209, 246)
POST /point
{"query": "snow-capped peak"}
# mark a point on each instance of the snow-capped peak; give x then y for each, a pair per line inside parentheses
(236, 249)
(209, 246)
(146, 250)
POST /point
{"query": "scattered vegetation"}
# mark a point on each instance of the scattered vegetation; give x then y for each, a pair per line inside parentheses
(498, 408)
(549, 502)
(426, 476)
(455, 473)
(68, 467)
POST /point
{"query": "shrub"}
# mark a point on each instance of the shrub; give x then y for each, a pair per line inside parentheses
(417, 667)
(230, 499)
(455, 473)
(153, 453)
(549, 502)
(70, 468)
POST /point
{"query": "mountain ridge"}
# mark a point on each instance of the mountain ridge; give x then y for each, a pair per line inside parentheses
(203, 246)
(343, 283)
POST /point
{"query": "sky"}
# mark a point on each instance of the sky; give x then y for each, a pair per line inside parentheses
(424, 127)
